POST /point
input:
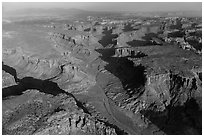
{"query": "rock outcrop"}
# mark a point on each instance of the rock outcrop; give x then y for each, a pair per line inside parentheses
(59, 71)
(110, 77)
(42, 114)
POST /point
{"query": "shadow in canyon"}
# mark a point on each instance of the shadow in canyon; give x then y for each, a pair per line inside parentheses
(28, 83)
(174, 120)
(176, 34)
(138, 43)
(195, 44)
(108, 38)
(11, 71)
(132, 77)
(178, 120)
(128, 27)
(44, 86)
(146, 40)
(184, 119)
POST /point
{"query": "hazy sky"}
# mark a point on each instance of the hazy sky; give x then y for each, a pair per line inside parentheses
(108, 6)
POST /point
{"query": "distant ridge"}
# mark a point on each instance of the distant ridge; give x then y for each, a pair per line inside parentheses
(40, 11)
(74, 12)
(168, 13)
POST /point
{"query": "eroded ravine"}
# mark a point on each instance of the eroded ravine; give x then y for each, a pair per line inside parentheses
(131, 91)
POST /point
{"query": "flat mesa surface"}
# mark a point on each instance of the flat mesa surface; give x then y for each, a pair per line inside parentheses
(31, 38)
(160, 59)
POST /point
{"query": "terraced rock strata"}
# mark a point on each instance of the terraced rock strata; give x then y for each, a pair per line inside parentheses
(110, 77)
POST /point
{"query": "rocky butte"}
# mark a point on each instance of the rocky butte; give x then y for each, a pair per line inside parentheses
(102, 75)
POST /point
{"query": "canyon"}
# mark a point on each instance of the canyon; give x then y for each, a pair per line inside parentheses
(113, 77)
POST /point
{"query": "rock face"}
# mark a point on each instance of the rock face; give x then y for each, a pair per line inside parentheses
(156, 85)
(59, 71)
(43, 114)
(110, 77)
